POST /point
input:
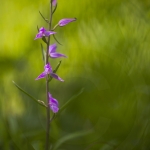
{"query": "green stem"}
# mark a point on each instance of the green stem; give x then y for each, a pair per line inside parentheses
(47, 85)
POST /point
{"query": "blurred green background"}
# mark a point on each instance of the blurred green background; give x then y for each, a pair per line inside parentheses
(108, 51)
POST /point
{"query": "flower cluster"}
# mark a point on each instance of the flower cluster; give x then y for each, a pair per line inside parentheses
(48, 71)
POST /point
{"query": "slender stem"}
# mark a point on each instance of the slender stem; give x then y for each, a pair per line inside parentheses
(47, 85)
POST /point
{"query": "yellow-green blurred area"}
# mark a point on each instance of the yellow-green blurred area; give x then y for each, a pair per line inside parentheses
(108, 50)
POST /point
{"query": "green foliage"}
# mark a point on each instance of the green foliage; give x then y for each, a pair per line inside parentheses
(108, 55)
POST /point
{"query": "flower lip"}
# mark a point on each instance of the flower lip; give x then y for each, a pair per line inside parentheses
(65, 21)
(48, 68)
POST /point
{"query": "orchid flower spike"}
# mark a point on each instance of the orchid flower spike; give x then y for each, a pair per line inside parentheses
(54, 2)
(53, 53)
(53, 103)
(65, 21)
(43, 32)
(48, 70)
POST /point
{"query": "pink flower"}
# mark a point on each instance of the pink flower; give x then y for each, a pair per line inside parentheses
(43, 32)
(53, 103)
(53, 53)
(48, 70)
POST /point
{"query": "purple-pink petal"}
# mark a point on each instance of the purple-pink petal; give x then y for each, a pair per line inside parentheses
(53, 103)
(39, 35)
(56, 76)
(53, 53)
(52, 48)
(48, 68)
(54, 108)
(54, 2)
(48, 33)
(43, 32)
(65, 21)
(42, 75)
(56, 55)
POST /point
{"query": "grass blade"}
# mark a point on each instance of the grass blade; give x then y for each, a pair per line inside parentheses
(37, 101)
(70, 137)
(43, 54)
(70, 100)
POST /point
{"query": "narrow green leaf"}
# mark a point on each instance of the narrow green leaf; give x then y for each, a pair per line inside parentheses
(54, 9)
(56, 40)
(44, 17)
(38, 101)
(70, 137)
(55, 70)
(38, 28)
(67, 103)
(44, 39)
(70, 100)
(52, 117)
(55, 27)
(43, 54)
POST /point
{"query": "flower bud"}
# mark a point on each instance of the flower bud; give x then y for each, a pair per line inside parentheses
(54, 2)
(65, 21)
